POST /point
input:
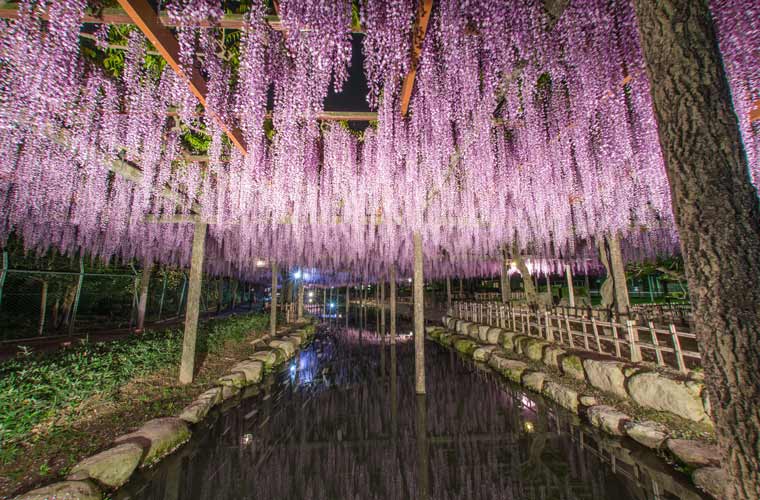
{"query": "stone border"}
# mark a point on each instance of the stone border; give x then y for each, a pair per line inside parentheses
(110, 469)
(684, 397)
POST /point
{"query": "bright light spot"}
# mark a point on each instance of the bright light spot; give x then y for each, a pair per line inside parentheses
(297, 275)
(332, 305)
(306, 276)
(246, 439)
(410, 280)
(261, 263)
(529, 427)
(311, 295)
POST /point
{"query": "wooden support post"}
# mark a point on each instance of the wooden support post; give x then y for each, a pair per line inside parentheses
(348, 303)
(161, 300)
(300, 299)
(570, 289)
(273, 309)
(622, 302)
(448, 295)
(142, 305)
(393, 303)
(187, 365)
(3, 275)
(75, 308)
(382, 308)
(43, 307)
(419, 317)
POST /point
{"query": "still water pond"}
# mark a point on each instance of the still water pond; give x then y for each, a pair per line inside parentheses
(342, 421)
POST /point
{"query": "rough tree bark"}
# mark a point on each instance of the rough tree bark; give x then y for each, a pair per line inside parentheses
(718, 217)
(300, 300)
(619, 281)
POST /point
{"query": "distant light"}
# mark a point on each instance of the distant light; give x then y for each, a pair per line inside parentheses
(410, 280)
(332, 304)
(311, 295)
(297, 275)
(246, 439)
(261, 263)
(306, 276)
(529, 427)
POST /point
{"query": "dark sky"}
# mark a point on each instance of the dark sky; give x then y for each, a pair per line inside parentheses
(353, 97)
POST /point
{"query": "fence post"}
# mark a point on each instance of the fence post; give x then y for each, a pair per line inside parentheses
(549, 330)
(3, 275)
(635, 349)
(76, 297)
(656, 343)
(596, 334)
(677, 348)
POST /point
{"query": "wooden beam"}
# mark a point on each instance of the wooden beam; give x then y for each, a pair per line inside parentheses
(145, 18)
(117, 16)
(754, 112)
(424, 8)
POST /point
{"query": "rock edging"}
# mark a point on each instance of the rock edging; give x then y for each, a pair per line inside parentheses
(158, 438)
(610, 376)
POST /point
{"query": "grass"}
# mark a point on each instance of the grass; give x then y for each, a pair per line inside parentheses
(59, 407)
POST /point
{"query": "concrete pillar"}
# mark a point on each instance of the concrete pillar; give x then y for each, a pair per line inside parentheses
(300, 300)
(142, 305)
(393, 303)
(419, 317)
(187, 365)
(570, 290)
(273, 310)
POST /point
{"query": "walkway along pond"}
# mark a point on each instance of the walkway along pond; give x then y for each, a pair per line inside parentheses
(342, 420)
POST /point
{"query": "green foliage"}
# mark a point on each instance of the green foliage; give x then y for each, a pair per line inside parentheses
(40, 387)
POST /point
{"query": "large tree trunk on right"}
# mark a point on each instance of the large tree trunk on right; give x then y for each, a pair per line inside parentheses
(718, 217)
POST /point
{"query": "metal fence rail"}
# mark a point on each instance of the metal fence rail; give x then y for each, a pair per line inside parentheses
(74, 299)
(628, 339)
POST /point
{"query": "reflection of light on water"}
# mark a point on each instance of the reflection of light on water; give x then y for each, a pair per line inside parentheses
(529, 427)
(246, 439)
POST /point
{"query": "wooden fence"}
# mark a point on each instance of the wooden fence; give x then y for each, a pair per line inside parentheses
(628, 340)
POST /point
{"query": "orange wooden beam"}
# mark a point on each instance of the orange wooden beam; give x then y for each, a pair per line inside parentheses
(424, 8)
(145, 18)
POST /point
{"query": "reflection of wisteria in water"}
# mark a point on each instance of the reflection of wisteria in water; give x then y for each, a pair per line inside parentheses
(344, 427)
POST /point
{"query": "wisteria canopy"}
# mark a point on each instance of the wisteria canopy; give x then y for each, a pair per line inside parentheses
(526, 129)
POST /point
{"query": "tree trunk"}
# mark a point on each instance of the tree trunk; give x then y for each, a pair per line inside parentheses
(717, 213)
(506, 289)
(448, 294)
(419, 317)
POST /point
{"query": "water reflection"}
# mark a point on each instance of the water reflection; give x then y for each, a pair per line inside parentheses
(345, 422)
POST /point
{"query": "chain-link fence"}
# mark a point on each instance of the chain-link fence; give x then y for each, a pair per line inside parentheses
(76, 298)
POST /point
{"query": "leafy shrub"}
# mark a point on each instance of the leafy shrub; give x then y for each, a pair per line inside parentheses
(35, 388)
